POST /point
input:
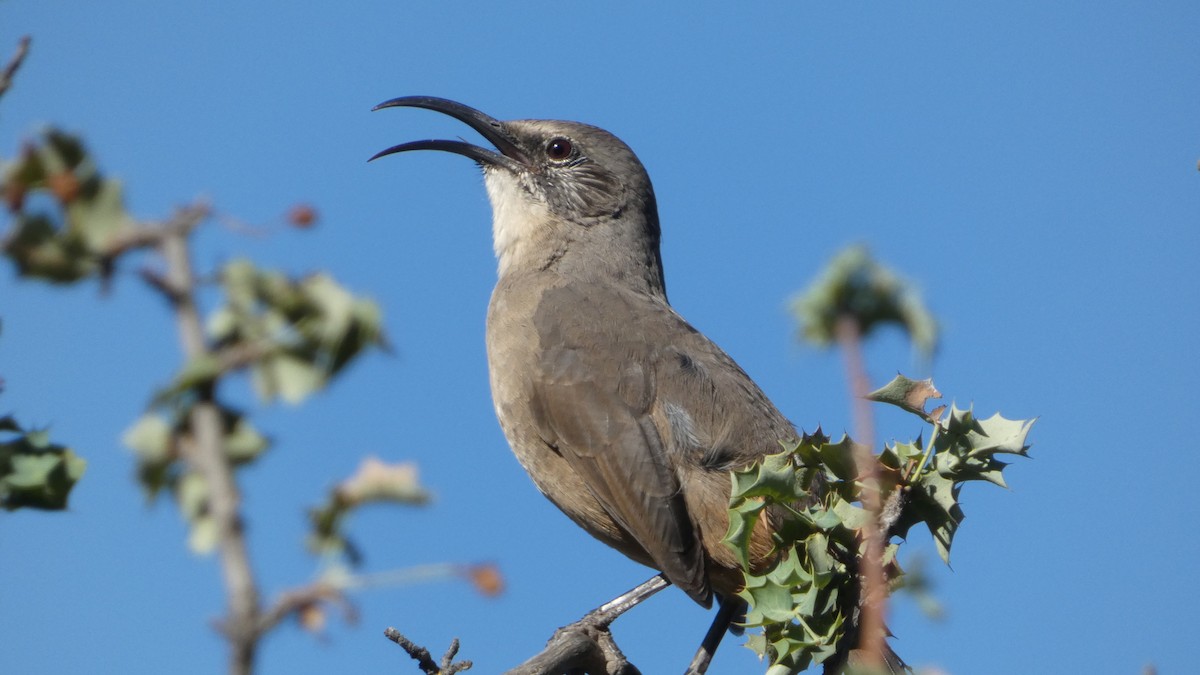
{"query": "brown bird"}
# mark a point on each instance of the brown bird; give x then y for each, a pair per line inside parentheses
(624, 415)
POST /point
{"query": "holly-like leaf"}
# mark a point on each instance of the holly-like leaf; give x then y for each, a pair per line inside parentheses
(910, 395)
(819, 537)
(743, 515)
(933, 500)
(774, 477)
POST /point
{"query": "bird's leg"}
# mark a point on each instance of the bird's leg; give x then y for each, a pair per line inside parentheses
(731, 608)
(608, 612)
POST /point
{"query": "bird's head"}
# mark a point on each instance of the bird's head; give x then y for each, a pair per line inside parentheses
(566, 197)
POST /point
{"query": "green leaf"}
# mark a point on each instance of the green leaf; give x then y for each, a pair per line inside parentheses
(288, 377)
(933, 500)
(904, 453)
(149, 438)
(768, 601)
(774, 477)
(819, 541)
(38, 251)
(98, 218)
(40, 480)
(997, 434)
(910, 395)
(91, 207)
(192, 495)
(838, 459)
(742, 519)
(243, 443)
(35, 473)
(303, 331)
(202, 535)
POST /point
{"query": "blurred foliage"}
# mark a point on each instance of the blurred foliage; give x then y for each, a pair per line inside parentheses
(35, 473)
(302, 331)
(291, 335)
(855, 285)
(68, 223)
(807, 601)
(375, 482)
(158, 442)
(69, 220)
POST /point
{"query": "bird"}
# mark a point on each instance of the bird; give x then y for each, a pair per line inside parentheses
(624, 415)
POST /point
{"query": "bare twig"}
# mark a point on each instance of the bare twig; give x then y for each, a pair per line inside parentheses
(297, 600)
(205, 453)
(10, 70)
(425, 660)
(152, 235)
(872, 633)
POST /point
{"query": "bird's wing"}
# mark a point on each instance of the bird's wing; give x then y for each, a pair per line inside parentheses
(592, 404)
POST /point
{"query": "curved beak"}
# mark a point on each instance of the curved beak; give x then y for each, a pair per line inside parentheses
(509, 156)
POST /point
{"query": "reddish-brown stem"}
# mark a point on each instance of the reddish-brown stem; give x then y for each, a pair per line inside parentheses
(871, 623)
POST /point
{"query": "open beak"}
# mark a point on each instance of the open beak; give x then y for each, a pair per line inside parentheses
(509, 156)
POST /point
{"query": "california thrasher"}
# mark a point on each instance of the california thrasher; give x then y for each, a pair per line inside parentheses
(625, 416)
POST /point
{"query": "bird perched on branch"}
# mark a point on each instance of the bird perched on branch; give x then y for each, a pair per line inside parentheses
(624, 415)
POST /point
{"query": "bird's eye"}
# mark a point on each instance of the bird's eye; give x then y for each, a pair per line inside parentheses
(559, 149)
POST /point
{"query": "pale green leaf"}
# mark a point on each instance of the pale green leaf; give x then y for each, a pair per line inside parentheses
(149, 437)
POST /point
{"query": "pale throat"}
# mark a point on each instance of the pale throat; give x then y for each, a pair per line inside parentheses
(516, 219)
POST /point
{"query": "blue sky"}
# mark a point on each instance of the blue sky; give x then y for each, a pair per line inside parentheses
(1032, 166)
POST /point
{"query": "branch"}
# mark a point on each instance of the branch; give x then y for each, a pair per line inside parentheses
(206, 456)
(872, 633)
(580, 647)
(587, 645)
(423, 658)
(152, 235)
(297, 600)
(10, 70)
(583, 647)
